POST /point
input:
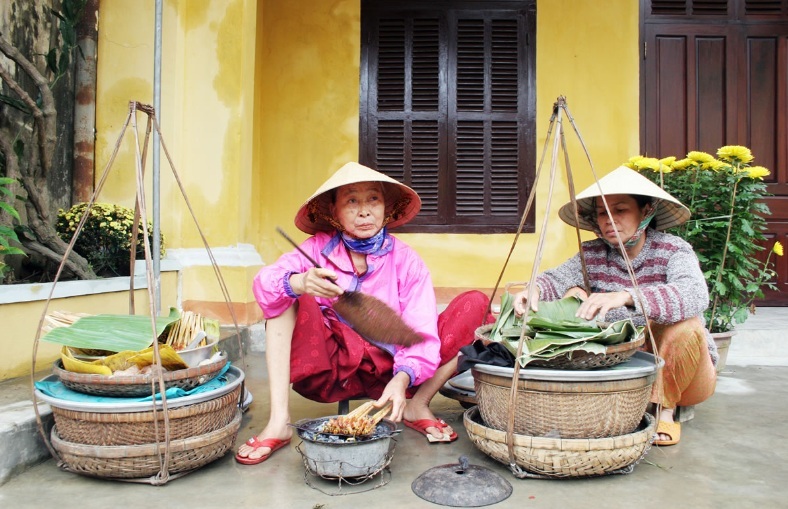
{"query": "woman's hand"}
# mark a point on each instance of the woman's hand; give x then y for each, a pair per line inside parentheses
(576, 291)
(521, 299)
(316, 282)
(395, 392)
(598, 304)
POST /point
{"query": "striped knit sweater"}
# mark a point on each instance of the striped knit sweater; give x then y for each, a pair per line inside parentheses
(667, 272)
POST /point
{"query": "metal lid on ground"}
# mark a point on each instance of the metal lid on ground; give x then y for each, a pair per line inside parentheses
(461, 485)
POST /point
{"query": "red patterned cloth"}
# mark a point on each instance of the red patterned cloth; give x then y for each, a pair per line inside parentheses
(334, 363)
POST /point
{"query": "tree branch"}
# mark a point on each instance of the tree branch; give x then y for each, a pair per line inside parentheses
(71, 264)
(46, 115)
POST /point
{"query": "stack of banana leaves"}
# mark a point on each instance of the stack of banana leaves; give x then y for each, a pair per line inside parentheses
(123, 344)
(555, 331)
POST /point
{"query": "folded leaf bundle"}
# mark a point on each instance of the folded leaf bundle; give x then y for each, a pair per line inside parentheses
(554, 331)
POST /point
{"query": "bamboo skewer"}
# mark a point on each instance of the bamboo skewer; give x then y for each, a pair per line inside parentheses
(358, 422)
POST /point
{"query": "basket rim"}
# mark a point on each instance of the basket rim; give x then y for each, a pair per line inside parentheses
(144, 406)
(641, 364)
(174, 412)
(136, 451)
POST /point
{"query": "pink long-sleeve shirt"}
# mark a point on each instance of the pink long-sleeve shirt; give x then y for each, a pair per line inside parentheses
(399, 278)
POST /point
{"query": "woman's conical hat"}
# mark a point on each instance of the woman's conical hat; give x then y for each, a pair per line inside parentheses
(402, 202)
(623, 180)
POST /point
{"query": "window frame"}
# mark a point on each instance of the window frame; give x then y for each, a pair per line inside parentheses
(446, 218)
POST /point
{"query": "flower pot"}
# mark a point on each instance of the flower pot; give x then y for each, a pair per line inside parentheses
(723, 342)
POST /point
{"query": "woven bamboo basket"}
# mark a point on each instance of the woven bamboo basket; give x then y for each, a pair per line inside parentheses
(579, 359)
(562, 409)
(142, 461)
(563, 458)
(136, 428)
(136, 385)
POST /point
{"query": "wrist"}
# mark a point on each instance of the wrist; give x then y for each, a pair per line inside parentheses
(293, 285)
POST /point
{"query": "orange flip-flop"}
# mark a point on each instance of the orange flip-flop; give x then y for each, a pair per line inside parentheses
(671, 429)
(272, 443)
(422, 424)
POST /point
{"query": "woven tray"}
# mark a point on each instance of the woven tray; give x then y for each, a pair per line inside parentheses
(579, 359)
(563, 458)
(142, 461)
(136, 385)
(567, 409)
(135, 428)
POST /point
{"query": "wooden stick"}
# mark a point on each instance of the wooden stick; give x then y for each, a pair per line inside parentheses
(361, 410)
(380, 414)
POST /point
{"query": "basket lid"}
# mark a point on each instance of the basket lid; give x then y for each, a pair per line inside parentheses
(640, 365)
(461, 485)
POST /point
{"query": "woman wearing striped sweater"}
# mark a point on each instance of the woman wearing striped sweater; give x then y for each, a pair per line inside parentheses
(673, 292)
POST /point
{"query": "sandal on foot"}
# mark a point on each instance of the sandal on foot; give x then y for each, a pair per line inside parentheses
(671, 429)
(422, 424)
(272, 443)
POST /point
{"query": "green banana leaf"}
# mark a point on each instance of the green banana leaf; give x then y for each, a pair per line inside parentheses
(568, 350)
(554, 330)
(506, 318)
(114, 333)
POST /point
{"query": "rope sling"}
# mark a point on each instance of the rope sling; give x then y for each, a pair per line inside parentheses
(140, 212)
(558, 138)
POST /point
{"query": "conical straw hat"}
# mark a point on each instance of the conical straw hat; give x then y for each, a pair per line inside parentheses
(623, 180)
(402, 202)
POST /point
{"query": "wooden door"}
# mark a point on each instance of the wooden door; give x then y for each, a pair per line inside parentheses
(715, 74)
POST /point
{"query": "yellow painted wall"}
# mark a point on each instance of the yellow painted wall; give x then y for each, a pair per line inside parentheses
(260, 105)
(206, 117)
(308, 116)
(21, 321)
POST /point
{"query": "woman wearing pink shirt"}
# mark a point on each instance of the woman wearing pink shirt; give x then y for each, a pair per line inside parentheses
(349, 217)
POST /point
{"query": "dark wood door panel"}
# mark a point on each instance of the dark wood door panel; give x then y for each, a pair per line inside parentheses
(722, 81)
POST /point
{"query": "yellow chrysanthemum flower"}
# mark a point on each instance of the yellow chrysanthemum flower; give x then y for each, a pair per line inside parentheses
(649, 163)
(633, 163)
(778, 248)
(714, 165)
(735, 154)
(757, 172)
(700, 157)
(683, 164)
(668, 161)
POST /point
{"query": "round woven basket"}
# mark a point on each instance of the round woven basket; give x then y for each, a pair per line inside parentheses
(563, 458)
(142, 461)
(561, 409)
(136, 385)
(135, 428)
(579, 359)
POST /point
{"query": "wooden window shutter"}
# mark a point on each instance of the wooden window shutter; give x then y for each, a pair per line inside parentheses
(447, 107)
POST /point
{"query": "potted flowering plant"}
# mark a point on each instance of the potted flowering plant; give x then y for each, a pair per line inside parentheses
(726, 229)
(105, 239)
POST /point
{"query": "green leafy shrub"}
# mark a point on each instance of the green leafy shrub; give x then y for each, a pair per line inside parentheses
(724, 195)
(7, 233)
(105, 239)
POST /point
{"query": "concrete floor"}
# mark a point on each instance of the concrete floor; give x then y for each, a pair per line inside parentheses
(732, 454)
